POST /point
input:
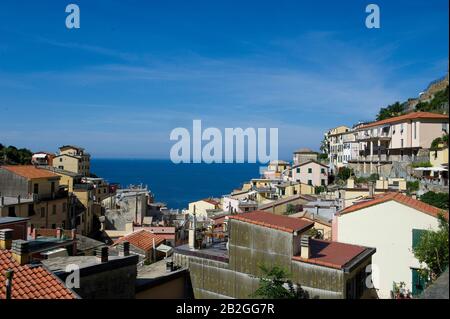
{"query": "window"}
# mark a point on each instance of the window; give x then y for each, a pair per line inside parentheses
(444, 127)
(60, 159)
(61, 167)
(54, 210)
(309, 170)
(322, 170)
(309, 182)
(53, 226)
(36, 189)
(416, 236)
(298, 170)
(401, 128)
(12, 211)
(53, 187)
(64, 207)
(323, 182)
(415, 130)
(401, 143)
(42, 211)
(31, 211)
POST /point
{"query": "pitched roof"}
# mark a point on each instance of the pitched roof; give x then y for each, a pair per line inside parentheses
(279, 222)
(31, 282)
(406, 117)
(310, 161)
(142, 239)
(211, 201)
(305, 150)
(29, 171)
(331, 253)
(399, 198)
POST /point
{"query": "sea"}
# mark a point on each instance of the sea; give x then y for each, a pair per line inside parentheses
(176, 184)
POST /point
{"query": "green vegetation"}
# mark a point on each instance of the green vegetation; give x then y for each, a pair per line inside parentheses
(290, 209)
(432, 250)
(314, 233)
(392, 110)
(319, 189)
(412, 187)
(323, 156)
(272, 285)
(12, 155)
(436, 104)
(421, 164)
(439, 200)
(324, 146)
(364, 180)
(344, 173)
(439, 140)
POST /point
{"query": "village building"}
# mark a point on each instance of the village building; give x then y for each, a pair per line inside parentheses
(311, 173)
(392, 223)
(74, 159)
(231, 269)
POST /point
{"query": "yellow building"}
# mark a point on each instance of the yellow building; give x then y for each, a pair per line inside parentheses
(27, 191)
(202, 207)
(439, 156)
(73, 159)
(292, 188)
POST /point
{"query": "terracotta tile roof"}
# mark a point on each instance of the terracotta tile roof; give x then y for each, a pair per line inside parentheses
(398, 197)
(407, 117)
(31, 282)
(279, 222)
(331, 253)
(211, 201)
(142, 239)
(29, 171)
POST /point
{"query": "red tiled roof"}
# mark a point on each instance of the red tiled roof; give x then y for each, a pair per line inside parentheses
(331, 253)
(407, 117)
(398, 197)
(211, 201)
(283, 223)
(29, 171)
(31, 282)
(142, 239)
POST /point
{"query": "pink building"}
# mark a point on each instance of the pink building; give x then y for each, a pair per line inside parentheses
(311, 173)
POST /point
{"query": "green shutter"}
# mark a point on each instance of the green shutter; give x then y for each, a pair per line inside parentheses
(416, 236)
(418, 283)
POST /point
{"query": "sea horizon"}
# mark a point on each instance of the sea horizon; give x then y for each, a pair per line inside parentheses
(176, 184)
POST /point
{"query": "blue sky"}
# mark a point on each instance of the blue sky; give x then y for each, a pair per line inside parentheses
(138, 69)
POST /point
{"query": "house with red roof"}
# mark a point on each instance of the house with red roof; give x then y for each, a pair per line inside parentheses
(231, 269)
(28, 191)
(144, 244)
(21, 280)
(396, 139)
(392, 223)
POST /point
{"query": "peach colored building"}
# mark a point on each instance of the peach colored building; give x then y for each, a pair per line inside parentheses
(397, 139)
(311, 173)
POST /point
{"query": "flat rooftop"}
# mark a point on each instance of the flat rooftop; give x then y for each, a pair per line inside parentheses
(217, 251)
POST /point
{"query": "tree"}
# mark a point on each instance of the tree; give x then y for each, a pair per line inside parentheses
(436, 199)
(392, 110)
(344, 173)
(432, 250)
(274, 284)
(290, 209)
(324, 145)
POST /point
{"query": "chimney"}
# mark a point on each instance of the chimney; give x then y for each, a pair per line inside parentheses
(124, 249)
(305, 251)
(350, 183)
(9, 274)
(59, 233)
(371, 189)
(102, 254)
(20, 251)
(6, 236)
